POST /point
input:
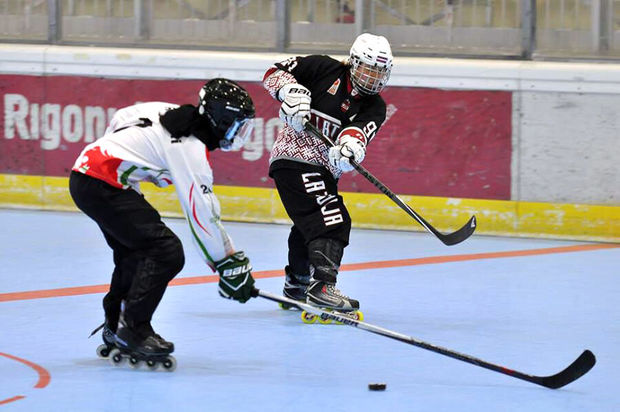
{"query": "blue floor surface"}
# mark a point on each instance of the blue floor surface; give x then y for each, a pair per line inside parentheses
(533, 313)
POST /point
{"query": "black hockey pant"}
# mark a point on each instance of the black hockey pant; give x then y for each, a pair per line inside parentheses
(147, 254)
(321, 222)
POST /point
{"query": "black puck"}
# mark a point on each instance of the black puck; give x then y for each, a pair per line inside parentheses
(377, 386)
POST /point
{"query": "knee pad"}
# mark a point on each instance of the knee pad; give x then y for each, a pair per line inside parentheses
(176, 257)
(168, 253)
(325, 256)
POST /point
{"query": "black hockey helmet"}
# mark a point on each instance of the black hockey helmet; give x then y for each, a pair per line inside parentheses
(230, 111)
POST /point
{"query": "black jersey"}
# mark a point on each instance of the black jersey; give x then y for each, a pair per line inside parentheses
(335, 106)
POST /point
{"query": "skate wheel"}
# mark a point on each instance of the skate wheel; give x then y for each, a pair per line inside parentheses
(134, 363)
(151, 364)
(358, 315)
(116, 357)
(103, 351)
(308, 317)
(324, 320)
(284, 306)
(169, 364)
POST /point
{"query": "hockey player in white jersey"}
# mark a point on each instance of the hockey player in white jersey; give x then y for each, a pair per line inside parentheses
(163, 144)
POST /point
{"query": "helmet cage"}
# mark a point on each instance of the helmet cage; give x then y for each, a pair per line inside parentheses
(366, 78)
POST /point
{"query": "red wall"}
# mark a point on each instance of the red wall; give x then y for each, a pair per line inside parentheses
(436, 142)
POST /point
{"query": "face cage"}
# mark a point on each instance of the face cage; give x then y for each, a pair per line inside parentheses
(368, 79)
(236, 135)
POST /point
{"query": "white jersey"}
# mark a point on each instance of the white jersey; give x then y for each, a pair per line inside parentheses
(137, 148)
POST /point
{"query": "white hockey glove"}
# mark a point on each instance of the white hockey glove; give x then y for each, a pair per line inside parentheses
(295, 108)
(351, 144)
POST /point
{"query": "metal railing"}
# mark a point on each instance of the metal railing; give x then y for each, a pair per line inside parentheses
(482, 28)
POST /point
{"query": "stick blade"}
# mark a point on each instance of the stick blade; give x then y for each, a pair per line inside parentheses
(460, 235)
(574, 371)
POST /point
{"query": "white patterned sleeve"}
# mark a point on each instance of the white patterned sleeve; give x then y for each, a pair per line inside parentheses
(275, 78)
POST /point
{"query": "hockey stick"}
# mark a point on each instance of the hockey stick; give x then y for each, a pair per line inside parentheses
(574, 371)
(448, 239)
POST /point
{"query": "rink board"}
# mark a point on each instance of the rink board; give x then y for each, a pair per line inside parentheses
(253, 204)
(454, 143)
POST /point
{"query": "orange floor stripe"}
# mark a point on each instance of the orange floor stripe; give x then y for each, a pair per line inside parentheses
(44, 375)
(84, 290)
(477, 256)
(9, 400)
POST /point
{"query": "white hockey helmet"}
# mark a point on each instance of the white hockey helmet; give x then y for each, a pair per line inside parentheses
(371, 63)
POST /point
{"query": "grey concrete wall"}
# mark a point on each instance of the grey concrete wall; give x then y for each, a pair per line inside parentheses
(566, 148)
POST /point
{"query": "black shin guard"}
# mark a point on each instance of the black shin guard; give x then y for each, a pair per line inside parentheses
(297, 253)
(160, 265)
(295, 284)
(325, 256)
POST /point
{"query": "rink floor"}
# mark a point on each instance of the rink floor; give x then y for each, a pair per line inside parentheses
(534, 311)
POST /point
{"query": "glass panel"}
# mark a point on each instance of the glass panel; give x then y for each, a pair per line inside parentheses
(23, 19)
(217, 23)
(465, 27)
(175, 23)
(322, 25)
(110, 21)
(412, 26)
(578, 28)
(565, 28)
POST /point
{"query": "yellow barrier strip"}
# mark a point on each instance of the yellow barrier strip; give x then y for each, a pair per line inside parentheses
(251, 204)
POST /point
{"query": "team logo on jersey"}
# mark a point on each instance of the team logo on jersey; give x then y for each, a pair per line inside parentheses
(334, 87)
(345, 105)
(325, 123)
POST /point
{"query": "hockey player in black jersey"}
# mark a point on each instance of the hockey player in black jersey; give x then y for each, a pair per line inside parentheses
(342, 100)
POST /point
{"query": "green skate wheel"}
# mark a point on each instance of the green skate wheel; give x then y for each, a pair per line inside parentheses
(308, 317)
(324, 321)
(358, 315)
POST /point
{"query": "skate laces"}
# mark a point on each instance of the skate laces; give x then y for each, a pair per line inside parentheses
(331, 289)
(96, 330)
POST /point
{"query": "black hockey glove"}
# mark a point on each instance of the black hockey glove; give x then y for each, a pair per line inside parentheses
(236, 281)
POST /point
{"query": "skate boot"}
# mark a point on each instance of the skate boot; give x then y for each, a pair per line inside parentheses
(113, 318)
(108, 334)
(325, 296)
(109, 339)
(141, 344)
(295, 287)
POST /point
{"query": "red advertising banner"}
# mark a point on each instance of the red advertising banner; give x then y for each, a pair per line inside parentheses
(434, 142)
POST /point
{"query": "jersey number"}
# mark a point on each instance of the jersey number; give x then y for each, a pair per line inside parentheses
(369, 130)
(289, 64)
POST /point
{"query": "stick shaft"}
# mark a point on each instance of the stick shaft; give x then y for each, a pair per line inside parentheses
(577, 369)
(449, 239)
